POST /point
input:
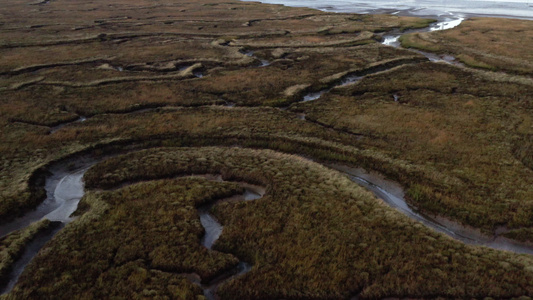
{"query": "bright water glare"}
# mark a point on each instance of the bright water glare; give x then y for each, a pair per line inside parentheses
(506, 8)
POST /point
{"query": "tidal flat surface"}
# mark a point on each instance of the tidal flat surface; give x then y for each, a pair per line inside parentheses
(510, 9)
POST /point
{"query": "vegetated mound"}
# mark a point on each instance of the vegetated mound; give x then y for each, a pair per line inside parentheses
(487, 43)
(314, 235)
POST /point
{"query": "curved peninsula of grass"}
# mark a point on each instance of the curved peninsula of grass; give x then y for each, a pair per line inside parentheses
(315, 235)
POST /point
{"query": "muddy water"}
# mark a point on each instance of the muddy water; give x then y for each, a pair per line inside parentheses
(213, 229)
(64, 189)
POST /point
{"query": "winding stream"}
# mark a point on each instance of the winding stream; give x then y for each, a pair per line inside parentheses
(213, 230)
(392, 194)
(64, 188)
(31, 249)
(393, 39)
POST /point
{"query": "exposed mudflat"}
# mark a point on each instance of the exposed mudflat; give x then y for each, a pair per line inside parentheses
(522, 9)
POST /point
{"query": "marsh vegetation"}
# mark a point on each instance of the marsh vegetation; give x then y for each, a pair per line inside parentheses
(188, 83)
(284, 235)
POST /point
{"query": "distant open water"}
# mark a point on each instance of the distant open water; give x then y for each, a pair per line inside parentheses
(522, 9)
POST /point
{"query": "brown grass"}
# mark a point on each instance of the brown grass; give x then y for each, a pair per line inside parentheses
(304, 241)
(458, 142)
(451, 121)
(151, 258)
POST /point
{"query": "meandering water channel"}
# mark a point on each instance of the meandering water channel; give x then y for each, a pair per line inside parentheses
(393, 194)
(392, 39)
(64, 188)
(213, 230)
